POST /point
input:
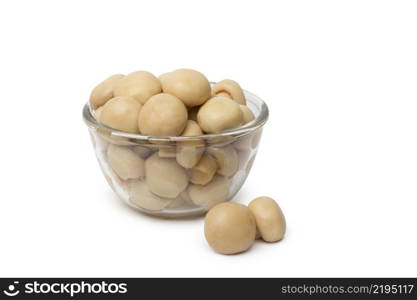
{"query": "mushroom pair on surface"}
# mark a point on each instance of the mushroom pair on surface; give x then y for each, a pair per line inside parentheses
(231, 228)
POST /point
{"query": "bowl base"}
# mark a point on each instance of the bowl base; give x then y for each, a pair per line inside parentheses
(172, 213)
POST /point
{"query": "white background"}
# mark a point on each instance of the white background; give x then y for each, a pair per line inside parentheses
(339, 151)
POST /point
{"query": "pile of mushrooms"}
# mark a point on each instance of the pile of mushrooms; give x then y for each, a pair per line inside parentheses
(142, 103)
(178, 103)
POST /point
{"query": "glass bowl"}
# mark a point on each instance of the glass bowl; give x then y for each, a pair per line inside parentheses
(124, 157)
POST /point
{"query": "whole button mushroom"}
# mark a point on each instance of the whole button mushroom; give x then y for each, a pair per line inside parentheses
(208, 195)
(140, 85)
(230, 228)
(230, 87)
(190, 86)
(227, 160)
(141, 196)
(165, 177)
(125, 163)
(121, 113)
(163, 115)
(204, 171)
(104, 91)
(219, 114)
(270, 220)
(189, 152)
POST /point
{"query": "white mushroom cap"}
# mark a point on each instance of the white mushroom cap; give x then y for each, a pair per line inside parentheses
(227, 159)
(270, 220)
(121, 113)
(208, 195)
(188, 85)
(230, 87)
(219, 114)
(141, 196)
(104, 91)
(125, 163)
(140, 85)
(230, 228)
(204, 171)
(163, 115)
(165, 177)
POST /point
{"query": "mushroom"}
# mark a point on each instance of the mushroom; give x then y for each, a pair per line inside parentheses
(227, 159)
(141, 196)
(230, 228)
(163, 115)
(208, 195)
(219, 114)
(121, 113)
(140, 85)
(203, 172)
(190, 86)
(165, 177)
(230, 87)
(125, 163)
(104, 91)
(270, 220)
(189, 152)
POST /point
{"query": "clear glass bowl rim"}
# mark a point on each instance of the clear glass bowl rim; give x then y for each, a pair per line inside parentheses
(259, 121)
